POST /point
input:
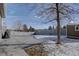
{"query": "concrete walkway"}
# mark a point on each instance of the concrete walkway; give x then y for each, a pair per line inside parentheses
(12, 51)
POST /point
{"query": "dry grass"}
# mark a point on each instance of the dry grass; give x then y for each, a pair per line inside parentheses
(36, 50)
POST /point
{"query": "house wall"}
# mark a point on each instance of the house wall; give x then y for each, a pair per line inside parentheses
(0, 26)
(71, 31)
(2, 15)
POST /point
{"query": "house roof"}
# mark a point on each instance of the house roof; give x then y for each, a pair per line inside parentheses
(2, 14)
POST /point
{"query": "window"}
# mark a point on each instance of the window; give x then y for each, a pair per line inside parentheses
(76, 27)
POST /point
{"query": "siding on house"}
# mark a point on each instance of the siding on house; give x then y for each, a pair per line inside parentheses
(2, 15)
(2, 9)
(71, 31)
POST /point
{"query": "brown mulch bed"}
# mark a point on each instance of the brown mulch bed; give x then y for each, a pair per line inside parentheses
(36, 50)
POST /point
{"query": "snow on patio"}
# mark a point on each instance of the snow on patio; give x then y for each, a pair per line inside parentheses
(20, 38)
(14, 45)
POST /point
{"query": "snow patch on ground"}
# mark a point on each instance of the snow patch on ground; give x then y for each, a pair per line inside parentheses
(69, 47)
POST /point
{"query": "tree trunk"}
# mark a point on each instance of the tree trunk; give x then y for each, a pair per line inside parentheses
(58, 24)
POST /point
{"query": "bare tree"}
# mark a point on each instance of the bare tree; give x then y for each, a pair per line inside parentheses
(25, 28)
(50, 28)
(18, 24)
(31, 29)
(57, 11)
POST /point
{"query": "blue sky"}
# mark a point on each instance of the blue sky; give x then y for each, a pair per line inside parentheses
(25, 13)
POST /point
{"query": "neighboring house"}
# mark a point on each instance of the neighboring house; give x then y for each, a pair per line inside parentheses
(1, 16)
(73, 31)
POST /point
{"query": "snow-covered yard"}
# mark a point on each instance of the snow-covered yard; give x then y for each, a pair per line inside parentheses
(69, 47)
(14, 45)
